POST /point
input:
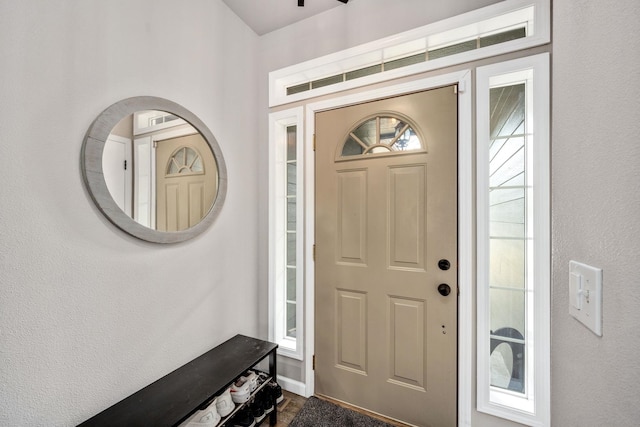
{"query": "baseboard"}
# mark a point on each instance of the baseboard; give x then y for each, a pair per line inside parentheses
(292, 386)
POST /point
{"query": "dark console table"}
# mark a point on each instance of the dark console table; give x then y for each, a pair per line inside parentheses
(174, 397)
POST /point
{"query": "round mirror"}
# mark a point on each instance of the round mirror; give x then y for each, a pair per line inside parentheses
(154, 169)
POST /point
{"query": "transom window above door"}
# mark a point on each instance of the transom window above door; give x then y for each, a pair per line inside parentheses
(382, 134)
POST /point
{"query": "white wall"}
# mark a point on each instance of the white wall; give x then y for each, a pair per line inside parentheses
(88, 314)
(596, 208)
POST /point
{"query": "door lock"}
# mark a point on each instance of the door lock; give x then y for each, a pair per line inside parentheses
(444, 264)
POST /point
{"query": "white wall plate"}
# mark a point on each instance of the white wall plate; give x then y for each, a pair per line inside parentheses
(585, 295)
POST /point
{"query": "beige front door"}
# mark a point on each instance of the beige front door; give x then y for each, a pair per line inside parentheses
(386, 221)
(186, 182)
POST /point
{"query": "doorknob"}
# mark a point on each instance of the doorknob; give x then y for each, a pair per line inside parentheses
(444, 289)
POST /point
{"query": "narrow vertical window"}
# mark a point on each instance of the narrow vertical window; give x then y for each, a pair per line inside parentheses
(509, 237)
(290, 292)
(285, 232)
(513, 240)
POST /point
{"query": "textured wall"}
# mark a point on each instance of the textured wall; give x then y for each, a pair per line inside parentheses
(88, 314)
(596, 204)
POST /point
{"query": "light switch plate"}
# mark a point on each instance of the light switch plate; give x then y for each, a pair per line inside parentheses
(585, 295)
(575, 290)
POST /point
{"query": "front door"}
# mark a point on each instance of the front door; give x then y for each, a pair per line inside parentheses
(386, 256)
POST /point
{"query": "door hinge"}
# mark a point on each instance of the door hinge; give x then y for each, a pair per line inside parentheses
(125, 165)
(314, 252)
(314, 142)
(313, 363)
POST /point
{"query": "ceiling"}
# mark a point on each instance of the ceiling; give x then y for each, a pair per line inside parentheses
(264, 16)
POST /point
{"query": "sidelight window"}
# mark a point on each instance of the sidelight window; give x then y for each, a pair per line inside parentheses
(513, 240)
(286, 236)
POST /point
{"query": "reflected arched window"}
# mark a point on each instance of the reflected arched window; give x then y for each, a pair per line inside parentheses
(382, 134)
(185, 161)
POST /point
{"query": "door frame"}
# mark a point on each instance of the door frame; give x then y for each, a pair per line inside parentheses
(465, 222)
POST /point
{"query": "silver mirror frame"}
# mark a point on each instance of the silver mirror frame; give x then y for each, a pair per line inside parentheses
(93, 175)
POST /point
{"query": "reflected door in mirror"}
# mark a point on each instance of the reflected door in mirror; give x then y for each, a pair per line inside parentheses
(168, 180)
(184, 186)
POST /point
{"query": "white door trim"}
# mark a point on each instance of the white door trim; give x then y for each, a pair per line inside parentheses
(465, 223)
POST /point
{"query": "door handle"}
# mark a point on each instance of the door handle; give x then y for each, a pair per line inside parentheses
(444, 289)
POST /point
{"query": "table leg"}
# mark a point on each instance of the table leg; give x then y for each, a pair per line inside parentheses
(273, 372)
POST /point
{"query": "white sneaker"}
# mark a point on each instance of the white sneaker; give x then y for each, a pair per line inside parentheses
(225, 404)
(241, 390)
(206, 418)
(253, 380)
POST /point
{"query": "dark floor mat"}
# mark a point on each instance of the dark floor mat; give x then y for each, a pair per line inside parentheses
(320, 413)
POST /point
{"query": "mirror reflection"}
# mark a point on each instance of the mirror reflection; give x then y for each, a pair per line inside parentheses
(160, 170)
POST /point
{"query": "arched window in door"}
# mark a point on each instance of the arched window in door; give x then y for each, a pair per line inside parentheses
(382, 134)
(185, 161)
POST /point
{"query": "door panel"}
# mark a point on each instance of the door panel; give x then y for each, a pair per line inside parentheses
(170, 218)
(406, 216)
(351, 336)
(386, 340)
(406, 350)
(352, 217)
